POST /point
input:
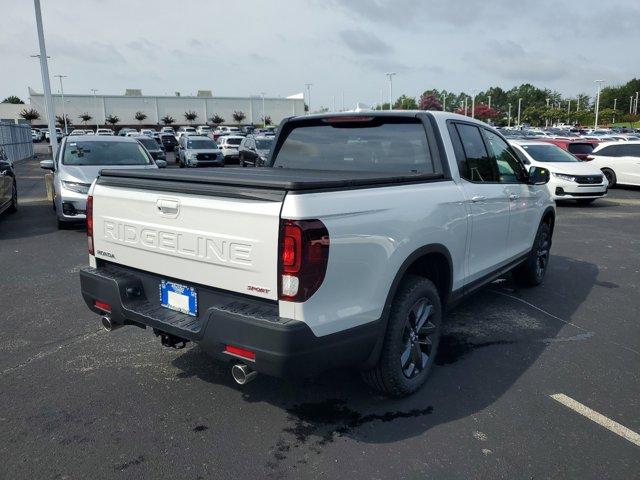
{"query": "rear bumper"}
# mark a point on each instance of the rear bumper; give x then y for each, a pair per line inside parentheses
(283, 347)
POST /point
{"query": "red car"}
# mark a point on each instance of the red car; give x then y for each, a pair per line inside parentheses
(579, 148)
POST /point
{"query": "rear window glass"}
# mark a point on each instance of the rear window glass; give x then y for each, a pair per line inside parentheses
(378, 146)
(150, 143)
(263, 144)
(233, 141)
(105, 153)
(548, 153)
(201, 144)
(580, 148)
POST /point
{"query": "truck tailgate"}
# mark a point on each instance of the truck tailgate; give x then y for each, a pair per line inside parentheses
(227, 242)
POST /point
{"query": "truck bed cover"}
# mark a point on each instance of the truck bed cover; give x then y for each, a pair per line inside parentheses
(280, 179)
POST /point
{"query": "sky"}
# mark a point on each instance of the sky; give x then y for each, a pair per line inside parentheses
(340, 46)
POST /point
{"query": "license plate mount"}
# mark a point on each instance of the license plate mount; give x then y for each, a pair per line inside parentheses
(180, 298)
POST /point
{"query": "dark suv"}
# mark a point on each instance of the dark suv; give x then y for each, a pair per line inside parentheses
(8, 187)
(168, 141)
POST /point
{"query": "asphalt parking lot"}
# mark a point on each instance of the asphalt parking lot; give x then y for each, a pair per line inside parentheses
(78, 402)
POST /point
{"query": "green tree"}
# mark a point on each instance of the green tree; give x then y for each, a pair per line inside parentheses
(13, 99)
(85, 117)
(239, 116)
(267, 120)
(405, 102)
(140, 116)
(167, 120)
(112, 119)
(60, 121)
(217, 119)
(30, 114)
(190, 116)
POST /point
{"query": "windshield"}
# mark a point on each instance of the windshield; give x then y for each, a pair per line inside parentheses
(201, 144)
(105, 153)
(263, 144)
(396, 146)
(150, 143)
(548, 153)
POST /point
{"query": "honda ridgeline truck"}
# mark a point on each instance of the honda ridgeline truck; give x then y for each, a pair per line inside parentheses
(343, 253)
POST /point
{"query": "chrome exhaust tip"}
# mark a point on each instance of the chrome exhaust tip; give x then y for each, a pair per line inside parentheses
(108, 324)
(243, 374)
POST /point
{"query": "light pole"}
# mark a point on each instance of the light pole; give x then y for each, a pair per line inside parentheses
(309, 85)
(630, 104)
(635, 111)
(473, 105)
(264, 119)
(489, 104)
(509, 116)
(95, 102)
(64, 115)
(390, 76)
(519, 108)
(465, 106)
(615, 104)
(44, 69)
(599, 84)
(342, 110)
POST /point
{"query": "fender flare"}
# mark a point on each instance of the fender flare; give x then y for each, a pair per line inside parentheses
(384, 318)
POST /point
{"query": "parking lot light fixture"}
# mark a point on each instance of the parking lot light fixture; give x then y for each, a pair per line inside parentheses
(264, 119)
(509, 117)
(390, 76)
(44, 70)
(519, 109)
(599, 84)
(636, 109)
(473, 105)
(95, 101)
(308, 85)
(615, 104)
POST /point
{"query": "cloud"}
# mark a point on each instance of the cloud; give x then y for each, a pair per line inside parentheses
(83, 51)
(364, 43)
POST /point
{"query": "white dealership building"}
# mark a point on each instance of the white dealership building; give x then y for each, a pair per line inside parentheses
(204, 104)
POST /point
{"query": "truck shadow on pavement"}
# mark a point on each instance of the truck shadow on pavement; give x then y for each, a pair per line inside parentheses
(489, 341)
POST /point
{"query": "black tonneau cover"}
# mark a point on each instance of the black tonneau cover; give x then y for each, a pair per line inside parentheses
(281, 179)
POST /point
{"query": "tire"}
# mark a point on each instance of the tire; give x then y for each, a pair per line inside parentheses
(14, 199)
(586, 201)
(611, 177)
(531, 273)
(397, 373)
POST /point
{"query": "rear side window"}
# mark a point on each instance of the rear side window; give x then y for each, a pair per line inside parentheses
(632, 150)
(476, 165)
(397, 145)
(611, 151)
(580, 148)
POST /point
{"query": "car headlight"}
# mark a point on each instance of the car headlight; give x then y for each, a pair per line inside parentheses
(565, 177)
(76, 186)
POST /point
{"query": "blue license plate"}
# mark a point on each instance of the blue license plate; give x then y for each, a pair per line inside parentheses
(179, 298)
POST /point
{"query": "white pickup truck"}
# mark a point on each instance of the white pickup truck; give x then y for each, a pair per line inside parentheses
(344, 252)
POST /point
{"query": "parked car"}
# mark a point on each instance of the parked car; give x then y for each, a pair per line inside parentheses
(89, 132)
(228, 129)
(168, 130)
(620, 162)
(198, 151)
(77, 132)
(254, 151)
(155, 150)
(570, 178)
(184, 130)
(79, 162)
(203, 130)
(124, 131)
(146, 131)
(345, 254)
(230, 144)
(104, 132)
(168, 141)
(59, 135)
(37, 134)
(8, 185)
(578, 148)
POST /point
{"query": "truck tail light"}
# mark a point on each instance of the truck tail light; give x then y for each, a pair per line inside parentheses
(89, 213)
(304, 253)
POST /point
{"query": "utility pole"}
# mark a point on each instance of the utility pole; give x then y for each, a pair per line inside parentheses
(599, 84)
(519, 108)
(390, 76)
(95, 102)
(64, 115)
(309, 85)
(44, 69)
(264, 119)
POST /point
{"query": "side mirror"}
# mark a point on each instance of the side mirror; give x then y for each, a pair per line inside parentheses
(47, 165)
(161, 163)
(538, 176)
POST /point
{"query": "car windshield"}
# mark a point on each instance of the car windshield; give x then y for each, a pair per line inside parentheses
(548, 153)
(264, 144)
(150, 143)
(377, 146)
(105, 153)
(234, 141)
(201, 144)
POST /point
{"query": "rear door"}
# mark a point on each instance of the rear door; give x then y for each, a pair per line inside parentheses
(223, 242)
(486, 198)
(629, 164)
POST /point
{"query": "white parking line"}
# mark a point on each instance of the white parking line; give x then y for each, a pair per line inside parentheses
(598, 418)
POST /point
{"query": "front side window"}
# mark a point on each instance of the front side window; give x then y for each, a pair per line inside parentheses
(372, 144)
(477, 165)
(149, 143)
(105, 153)
(509, 167)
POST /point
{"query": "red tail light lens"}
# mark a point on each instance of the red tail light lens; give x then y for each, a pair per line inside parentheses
(89, 211)
(304, 253)
(240, 352)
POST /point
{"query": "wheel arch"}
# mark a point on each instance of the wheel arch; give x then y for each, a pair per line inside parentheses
(549, 216)
(431, 261)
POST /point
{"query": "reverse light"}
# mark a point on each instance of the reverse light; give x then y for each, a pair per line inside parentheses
(304, 253)
(89, 213)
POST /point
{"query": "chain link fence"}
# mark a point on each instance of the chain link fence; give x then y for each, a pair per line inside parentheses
(15, 140)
